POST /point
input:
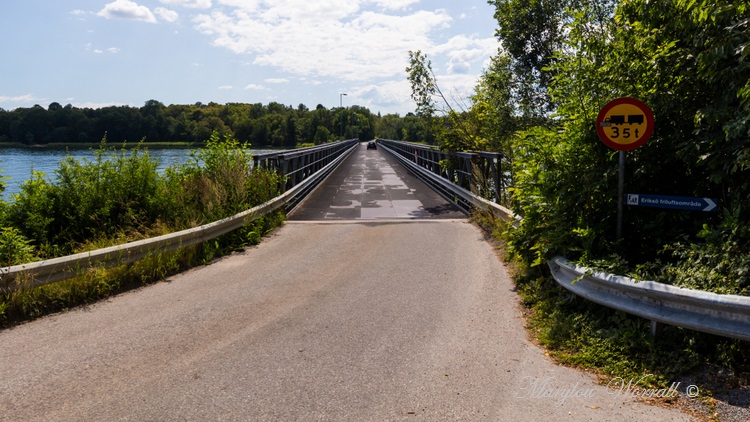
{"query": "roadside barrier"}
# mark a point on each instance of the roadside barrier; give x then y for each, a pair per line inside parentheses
(49, 271)
(428, 170)
(723, 315)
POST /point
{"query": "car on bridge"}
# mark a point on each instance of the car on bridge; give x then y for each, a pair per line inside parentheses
(372, 145)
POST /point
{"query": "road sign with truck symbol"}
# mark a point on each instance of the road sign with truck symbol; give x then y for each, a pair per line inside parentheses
(625, 124)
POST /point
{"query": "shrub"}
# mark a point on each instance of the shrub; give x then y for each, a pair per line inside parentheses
(117, 191)
(14, 247)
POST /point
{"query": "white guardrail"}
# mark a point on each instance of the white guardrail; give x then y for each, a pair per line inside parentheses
(49, 271)
(723, 315)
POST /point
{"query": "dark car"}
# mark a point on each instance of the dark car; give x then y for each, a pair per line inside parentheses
(372, 145)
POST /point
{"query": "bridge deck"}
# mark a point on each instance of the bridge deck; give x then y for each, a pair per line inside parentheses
(370, 184)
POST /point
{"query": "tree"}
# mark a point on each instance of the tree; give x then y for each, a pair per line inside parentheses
(453, 134)
(290, 131)
(322, 135)
(687, 60)
(423, 83)
(534, 33)
(389, 127)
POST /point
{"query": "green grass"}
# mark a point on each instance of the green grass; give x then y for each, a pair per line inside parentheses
(612, 344)
(95, 283)
(117, 197)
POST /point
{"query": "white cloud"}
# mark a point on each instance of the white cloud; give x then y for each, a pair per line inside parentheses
(126, 9)
(192, 4)
(256, 87)
(464, 52)
(319, 39)
(225, 87)
(393, 4)
(360, 44)
(276, 81)
(90, 47)
(28, 98)
(389, 95)
(166, 14)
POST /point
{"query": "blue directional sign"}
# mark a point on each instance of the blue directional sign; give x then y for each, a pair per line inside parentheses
(673, 202)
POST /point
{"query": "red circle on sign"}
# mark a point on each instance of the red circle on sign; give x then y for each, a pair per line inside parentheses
(605, 120)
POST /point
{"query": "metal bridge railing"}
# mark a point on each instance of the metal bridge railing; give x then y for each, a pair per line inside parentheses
(475, 171)
(297, 165)
(462, 197)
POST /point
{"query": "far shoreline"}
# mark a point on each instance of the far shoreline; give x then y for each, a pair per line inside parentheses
(118, 145)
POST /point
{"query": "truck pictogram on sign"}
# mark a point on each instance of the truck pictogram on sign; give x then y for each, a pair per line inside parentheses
(636, 119)
(625, 124)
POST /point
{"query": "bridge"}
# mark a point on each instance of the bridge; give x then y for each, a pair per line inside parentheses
(377, 300)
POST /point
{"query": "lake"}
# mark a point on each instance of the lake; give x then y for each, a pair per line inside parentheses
(18, 163)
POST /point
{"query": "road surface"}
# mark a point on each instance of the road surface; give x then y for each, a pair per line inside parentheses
(330, 319)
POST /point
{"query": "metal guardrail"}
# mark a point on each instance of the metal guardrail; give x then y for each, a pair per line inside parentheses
(298, 164)
(723, 315)
(57, 269)
(462, 197)
(461, 168)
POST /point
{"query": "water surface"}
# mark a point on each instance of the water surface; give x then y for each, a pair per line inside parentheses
(18, 163)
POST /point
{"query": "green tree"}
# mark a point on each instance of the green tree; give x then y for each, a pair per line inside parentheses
(389, 127)
(322, 135)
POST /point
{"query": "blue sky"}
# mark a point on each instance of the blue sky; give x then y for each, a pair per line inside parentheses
(94, 53)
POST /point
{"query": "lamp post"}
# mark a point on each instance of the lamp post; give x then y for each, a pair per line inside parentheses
(341, 104)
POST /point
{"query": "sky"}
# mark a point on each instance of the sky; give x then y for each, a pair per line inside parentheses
(96, 53)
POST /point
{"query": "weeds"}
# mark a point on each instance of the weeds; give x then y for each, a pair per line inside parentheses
(583, 334)
(118, 197)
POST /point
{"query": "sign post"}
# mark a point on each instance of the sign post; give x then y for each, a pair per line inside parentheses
(624, 124)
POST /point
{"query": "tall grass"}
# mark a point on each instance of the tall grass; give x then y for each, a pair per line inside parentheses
(611, 343)
(116, 197)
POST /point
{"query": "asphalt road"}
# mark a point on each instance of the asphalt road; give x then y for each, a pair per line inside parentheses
(327, 320)
(372, 185)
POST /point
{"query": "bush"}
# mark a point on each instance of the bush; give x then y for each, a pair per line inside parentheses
(14, 247)
(120, 195)
(218, 182)
(117, 191)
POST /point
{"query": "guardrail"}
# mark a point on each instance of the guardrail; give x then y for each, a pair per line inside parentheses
(462, 197)
(724, 315)
(461, 168)
(298, 164)
(57, 269)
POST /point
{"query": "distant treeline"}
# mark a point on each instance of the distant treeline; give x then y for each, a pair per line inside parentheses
(273, 124)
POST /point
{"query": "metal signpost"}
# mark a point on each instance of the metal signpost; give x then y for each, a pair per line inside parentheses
(624, 124)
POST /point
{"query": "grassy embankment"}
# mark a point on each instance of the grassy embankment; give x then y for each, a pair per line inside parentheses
(117, 197)
(613, 344)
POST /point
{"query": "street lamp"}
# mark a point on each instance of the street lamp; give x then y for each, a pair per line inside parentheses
(341, 104)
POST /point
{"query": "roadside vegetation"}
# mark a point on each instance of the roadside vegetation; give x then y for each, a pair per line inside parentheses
(537, 102)
(117, 197)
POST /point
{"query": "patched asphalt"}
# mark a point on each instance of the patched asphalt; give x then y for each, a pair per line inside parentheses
(372, 185)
